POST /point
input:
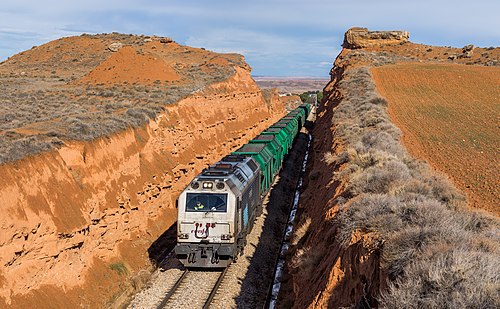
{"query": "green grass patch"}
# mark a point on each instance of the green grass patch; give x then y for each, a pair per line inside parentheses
(120, 268)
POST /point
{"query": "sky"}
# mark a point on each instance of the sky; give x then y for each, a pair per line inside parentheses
(277, 37)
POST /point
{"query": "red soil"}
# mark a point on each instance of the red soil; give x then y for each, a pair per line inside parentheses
(291, 101)
(126, 65)
(449, 115)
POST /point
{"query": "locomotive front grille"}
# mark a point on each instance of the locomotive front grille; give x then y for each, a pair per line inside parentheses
(205, 255)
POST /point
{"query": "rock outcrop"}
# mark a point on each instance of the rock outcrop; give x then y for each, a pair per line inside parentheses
(362, 37)
(114, 47)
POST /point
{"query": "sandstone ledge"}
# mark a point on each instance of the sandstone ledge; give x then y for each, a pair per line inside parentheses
(362, 37)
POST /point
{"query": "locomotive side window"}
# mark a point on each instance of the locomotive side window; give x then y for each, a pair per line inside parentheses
(201, 202)
(252, 165)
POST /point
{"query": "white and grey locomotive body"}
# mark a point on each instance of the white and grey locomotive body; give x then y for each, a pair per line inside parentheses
(216, 212)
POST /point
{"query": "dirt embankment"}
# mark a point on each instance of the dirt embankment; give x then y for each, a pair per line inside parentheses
(378, 227)
(325, 272)
(291, 101)
(77, 220)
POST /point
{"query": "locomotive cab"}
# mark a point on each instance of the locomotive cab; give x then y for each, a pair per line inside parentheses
(216, 212)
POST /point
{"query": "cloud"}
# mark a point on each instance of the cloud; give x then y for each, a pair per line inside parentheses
(266, 52)
(280, 37)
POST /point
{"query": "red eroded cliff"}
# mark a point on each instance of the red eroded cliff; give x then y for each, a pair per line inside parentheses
(377, 227)
(77, 222)
(325, 270)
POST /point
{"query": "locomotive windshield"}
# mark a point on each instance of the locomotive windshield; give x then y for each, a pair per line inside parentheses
(202, 202)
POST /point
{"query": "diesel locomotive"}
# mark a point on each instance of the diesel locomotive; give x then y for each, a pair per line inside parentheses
(217, 210)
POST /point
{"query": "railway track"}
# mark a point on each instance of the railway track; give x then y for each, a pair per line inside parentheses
(193, 289)
(243, 286)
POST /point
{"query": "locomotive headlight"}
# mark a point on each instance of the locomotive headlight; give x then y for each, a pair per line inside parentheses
(195, 185)
(183, 236)
(208, 185)
(225, 236)
(220, 185)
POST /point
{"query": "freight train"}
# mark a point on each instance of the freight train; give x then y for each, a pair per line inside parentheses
(218, 208)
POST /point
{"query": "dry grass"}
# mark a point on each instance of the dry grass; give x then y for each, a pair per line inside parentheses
(42, 105)
(329, 158)
(437, 253)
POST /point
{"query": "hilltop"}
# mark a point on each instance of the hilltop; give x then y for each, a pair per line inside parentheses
(384, 47)
(89, 86)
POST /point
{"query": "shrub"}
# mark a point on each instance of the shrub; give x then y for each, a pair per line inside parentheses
(328, 158)
(380, 178)
(300, 232)
(454, 278)
(23, 147)
(120, 268)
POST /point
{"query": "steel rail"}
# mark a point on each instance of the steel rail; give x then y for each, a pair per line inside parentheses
(172, 290)
(215, 288)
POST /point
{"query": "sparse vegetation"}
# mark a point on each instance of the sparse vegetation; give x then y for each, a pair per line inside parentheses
(40, 110)
(120, 268)
(329, 158)
(436, 253)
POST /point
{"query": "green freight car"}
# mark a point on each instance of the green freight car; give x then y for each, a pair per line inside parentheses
(274, 146)
(264, 157)
(283, 136)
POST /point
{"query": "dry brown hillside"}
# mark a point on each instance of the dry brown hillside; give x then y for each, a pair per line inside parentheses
(81, 88)
(445, 100)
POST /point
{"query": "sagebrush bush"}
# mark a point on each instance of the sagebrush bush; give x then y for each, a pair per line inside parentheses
(16, 149)
(453, 278)
(300, 232)
(328, 158)
(436, 252)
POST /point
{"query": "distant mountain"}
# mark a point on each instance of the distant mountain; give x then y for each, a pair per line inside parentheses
(292, 84)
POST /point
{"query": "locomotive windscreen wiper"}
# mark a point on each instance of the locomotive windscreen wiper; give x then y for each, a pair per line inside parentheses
(215, 208)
